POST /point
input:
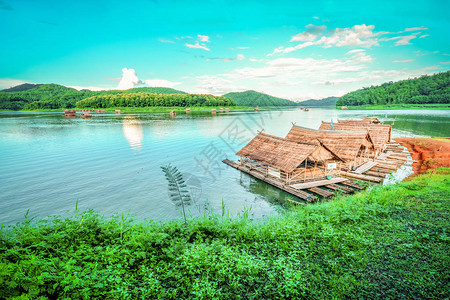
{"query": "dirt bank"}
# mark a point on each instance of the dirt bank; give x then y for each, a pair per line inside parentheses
(429, 153)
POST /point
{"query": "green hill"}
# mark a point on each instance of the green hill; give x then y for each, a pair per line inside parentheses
(52, 96)
(253, 98)
(326, 102)
(422, 90)
(21, 87)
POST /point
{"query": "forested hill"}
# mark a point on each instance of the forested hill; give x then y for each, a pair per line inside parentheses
(326, 102)
(253, 98)
(42, 96)
(425, 89)
(21, 87)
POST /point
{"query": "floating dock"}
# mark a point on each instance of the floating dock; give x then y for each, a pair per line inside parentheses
(373, 171)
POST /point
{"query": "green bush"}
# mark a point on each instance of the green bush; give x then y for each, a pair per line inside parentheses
(389, 242)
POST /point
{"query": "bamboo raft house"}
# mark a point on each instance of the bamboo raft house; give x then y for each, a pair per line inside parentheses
(379, 133)
(289, 161)
(354, 147)
(310, 163)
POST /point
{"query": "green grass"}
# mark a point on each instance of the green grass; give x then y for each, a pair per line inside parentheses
(401, 106)
(388, 242)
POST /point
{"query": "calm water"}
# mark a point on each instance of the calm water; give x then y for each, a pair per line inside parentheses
(111, 163)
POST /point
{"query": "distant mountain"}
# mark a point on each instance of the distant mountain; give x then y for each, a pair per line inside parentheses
(253, 98)
(21, 87)
(424, 89)
(330, 101)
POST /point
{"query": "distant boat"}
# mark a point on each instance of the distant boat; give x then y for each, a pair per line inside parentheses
(302, 108)
(306, 109)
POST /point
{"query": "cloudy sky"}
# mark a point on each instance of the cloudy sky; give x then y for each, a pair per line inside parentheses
(292, 49)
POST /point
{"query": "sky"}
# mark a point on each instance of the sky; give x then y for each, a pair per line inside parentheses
(292, 49)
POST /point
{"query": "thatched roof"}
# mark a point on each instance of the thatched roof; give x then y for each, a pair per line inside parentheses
(283, 154)
(379, 133)
(345, 144)
(367, 120)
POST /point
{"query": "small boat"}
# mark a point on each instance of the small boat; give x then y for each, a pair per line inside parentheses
(306, 109)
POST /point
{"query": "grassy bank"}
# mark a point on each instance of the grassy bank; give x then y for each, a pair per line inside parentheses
(390, 242)
(400, 106)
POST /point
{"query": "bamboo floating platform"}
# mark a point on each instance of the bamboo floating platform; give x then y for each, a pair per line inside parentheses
(298, 193)
(312, 184)
(310, 163)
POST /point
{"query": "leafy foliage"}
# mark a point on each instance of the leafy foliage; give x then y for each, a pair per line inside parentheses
(52, 96)
(425, 89)
(177, 187)
(389, 242)
(147, 99)
(253, 98)
(330, 101)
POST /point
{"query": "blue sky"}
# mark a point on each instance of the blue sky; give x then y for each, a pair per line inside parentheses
(292, 49)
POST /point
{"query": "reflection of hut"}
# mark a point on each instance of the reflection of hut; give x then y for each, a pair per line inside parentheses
(117, 111)
(69, 113)
(289, 161)
(86, 115)
(133, 132)
(379, 133)
(355, 147)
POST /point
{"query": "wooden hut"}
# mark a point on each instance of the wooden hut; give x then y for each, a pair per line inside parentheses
(227, 109)
(379, 133)
(213, 111)
(118, 111)
(355, 147)
(344, 108)
(256, 109)
(188, 110)
(173, 113)
(289, 161)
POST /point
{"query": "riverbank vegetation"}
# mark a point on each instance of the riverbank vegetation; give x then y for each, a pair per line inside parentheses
(387, 242)
(53, 96)
(400, 106)
(423, 90)
(152, 99)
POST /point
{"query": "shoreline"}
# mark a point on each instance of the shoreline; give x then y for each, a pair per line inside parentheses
(427, 153)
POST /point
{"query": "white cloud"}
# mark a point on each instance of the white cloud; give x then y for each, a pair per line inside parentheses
(166, 41)
(355, 51)
(129, 79)
(203, 38)
(315, 17)
(423, 36)
(241, 48)
(403, 61)
(216, 85)
(358, 35)
(161, 83)
(416, 28)
(197, 46)
(238, 57)
(6, 83)
(445, 62)
(402, 40)
(310, 34)
(91, 88)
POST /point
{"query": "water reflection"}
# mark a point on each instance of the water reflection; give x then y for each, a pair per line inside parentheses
(133, 132)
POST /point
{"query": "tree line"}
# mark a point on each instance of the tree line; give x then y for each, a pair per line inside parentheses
(425, 89)
(152, 99)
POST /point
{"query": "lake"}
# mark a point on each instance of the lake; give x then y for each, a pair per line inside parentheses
(111, 163)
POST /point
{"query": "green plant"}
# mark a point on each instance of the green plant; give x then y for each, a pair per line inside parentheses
(177, 187)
